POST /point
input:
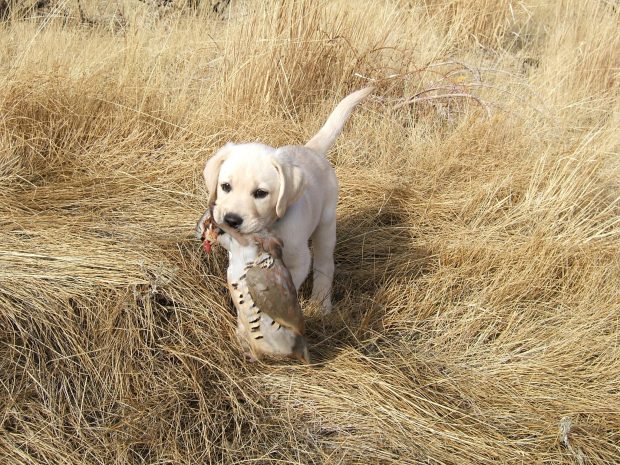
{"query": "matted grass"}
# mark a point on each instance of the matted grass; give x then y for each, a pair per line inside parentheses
(477, 289)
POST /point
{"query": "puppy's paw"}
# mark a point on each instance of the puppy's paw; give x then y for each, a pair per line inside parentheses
(324, 306)
(323, 302)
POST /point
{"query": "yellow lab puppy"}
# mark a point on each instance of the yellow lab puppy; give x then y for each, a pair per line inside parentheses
(293, 190)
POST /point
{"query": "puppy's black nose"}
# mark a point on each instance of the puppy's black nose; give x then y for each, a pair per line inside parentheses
(233, 220)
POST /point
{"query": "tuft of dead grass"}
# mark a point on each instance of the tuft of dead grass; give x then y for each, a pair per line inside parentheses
(477, 303)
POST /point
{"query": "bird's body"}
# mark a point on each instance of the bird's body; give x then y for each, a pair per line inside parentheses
(269, 318)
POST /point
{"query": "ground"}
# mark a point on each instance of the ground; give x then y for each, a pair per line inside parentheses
(477, 302)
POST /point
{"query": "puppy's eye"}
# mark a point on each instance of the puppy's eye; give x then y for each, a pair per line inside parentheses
(226, 187)
(260, 194)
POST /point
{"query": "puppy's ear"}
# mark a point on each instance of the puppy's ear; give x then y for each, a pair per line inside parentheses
(212, 170)
(292, 182)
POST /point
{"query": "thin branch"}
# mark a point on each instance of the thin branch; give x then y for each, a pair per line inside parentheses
(413, 100)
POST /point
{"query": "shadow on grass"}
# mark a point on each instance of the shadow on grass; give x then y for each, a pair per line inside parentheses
(373, 251)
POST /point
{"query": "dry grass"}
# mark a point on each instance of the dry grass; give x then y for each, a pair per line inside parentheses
(477, 290)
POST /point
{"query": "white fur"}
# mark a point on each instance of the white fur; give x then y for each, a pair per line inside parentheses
(239, 256)
(301, 201)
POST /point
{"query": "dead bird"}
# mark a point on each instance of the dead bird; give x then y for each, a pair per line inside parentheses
(269, 318)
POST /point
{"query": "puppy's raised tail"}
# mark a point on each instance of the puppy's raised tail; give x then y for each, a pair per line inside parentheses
(325, 138)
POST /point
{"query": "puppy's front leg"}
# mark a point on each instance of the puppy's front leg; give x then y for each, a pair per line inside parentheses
(297, 260)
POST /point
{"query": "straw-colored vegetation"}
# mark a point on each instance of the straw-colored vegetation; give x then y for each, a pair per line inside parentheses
(477, 291)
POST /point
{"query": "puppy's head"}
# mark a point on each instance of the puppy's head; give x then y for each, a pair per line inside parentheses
(251, 185)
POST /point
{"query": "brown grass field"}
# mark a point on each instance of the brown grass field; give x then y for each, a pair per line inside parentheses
(477, 288)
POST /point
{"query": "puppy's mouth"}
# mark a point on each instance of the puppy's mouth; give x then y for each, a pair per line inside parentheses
(223, 228)
(250, 228)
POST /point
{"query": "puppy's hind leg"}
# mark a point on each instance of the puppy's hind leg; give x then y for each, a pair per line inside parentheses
(323, 244)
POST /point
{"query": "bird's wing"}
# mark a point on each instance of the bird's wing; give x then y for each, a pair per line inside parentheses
(274, 293)
(201, 226)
